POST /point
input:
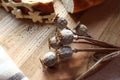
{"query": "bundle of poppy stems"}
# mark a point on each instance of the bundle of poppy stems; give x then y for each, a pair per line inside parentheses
(65, 36)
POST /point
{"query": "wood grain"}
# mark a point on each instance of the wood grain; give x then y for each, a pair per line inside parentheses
(26, 42)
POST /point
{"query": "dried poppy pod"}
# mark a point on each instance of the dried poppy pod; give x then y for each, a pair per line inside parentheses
(81, 30)
(38, 10)
(65, 53)
(60, 22)
(74, 6)
(65, 36)
(54, 43)
(49, 59)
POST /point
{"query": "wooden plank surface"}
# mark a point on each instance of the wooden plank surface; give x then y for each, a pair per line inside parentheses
(26, 46)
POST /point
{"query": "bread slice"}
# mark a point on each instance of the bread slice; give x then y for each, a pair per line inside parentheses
(37, 10)
(74, 6)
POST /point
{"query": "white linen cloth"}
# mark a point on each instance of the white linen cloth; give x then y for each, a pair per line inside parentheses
(8, 69)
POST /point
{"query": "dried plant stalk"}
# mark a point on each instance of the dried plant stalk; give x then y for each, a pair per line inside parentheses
(98, 64)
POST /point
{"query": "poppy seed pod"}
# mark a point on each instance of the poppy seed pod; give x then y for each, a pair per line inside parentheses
(53, 42)
(65, 53)
(49, 59)
(66, 36)
(61, 22)
(81, 30)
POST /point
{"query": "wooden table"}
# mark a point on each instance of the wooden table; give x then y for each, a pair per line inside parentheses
(26, 42)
